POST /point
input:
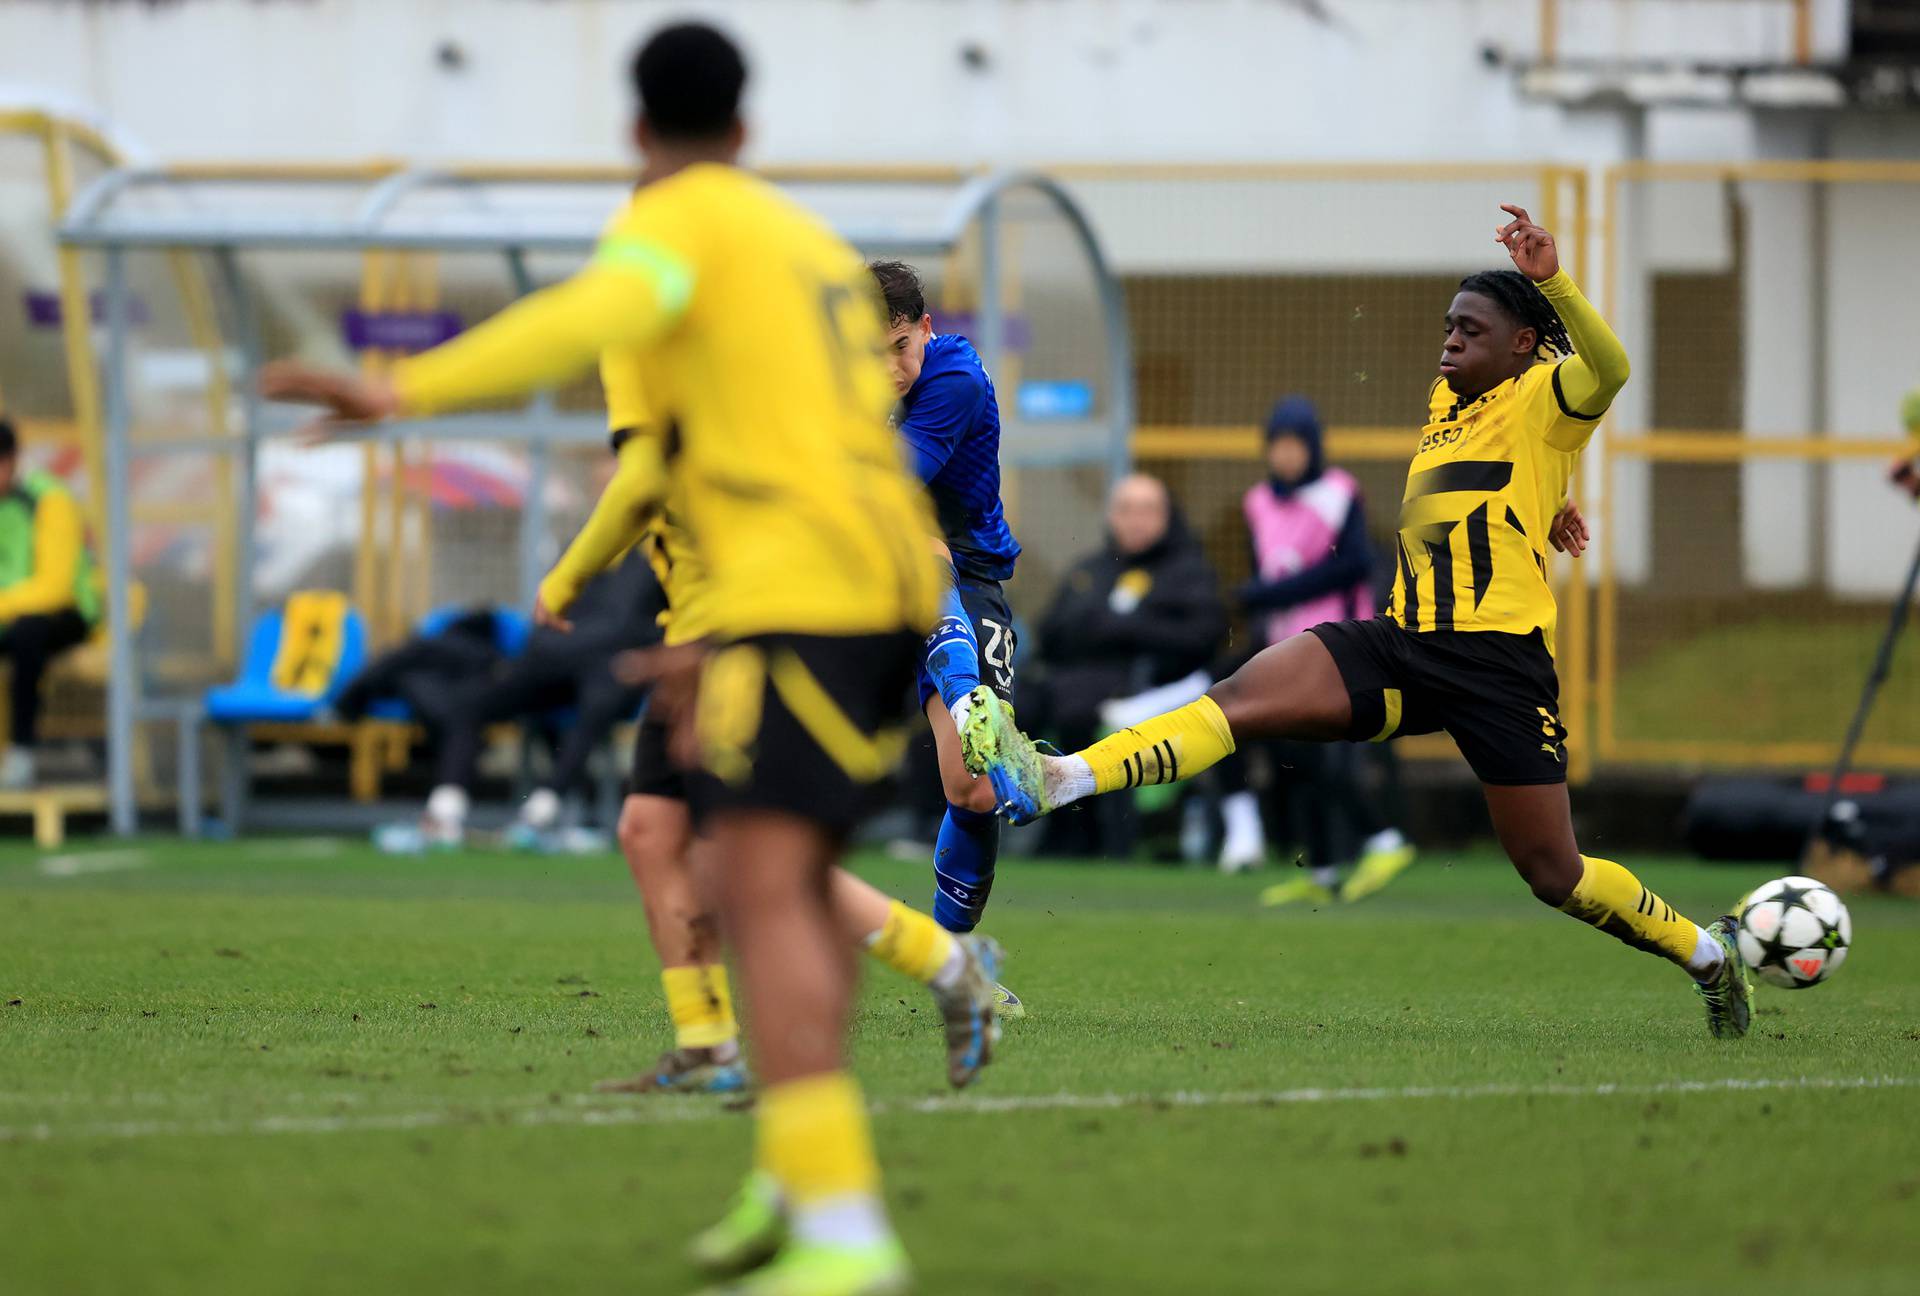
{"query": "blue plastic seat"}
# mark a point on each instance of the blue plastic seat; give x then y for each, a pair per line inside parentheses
(254, 699)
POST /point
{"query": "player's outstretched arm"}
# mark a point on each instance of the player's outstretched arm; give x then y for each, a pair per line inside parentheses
(1598, 369)
(636, 490)
(545, 338)
(631, 293)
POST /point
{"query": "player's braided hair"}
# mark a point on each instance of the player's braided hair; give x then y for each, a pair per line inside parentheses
(1525, 304)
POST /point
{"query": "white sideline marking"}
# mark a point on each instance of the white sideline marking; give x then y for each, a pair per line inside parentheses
(106, 861)
(548, 1110)
(299, 848)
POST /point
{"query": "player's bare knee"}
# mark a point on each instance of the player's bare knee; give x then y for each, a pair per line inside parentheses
(635, 830)
(975, 794)
(1548, 871)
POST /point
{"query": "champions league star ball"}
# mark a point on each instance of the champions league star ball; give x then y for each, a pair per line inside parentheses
(1794, 932)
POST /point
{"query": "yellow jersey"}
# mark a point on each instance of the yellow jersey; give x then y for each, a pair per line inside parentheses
(1488, 478)
(668, 547)
(758, 336)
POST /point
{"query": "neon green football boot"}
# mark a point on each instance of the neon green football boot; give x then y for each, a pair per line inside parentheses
(1295, 891)
(814, 1269)
(753, 1229)
(1378, 867)
(1729, 996)
(994, 746)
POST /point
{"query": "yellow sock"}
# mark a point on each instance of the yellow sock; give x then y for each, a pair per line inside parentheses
(700, 1005)
(814, 1139)
(1164, 749)
(1619, 904)
(912, 944)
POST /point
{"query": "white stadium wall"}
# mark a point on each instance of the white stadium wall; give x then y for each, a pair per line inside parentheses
(1130, 80)
(848, 80)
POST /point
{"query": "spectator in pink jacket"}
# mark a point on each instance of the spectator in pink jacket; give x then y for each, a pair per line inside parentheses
(1312, 562)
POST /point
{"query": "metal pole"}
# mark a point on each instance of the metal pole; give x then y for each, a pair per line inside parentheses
(993, 330)
(252, 426)
(533, 505)
(1882, 664)
(123, 689)
(1113, 309)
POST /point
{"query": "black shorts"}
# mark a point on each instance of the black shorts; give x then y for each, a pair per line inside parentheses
(1496, 694)
(654, 773)
(807, 724)
(985, 603)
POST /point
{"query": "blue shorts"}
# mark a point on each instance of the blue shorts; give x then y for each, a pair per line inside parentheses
(986, 607)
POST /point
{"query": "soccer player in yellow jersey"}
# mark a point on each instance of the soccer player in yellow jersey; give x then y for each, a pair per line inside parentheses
(664, 801)
(1526, 369)
(762, 341)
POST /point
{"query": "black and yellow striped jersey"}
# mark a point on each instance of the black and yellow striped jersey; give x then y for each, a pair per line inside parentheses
(1487, 480)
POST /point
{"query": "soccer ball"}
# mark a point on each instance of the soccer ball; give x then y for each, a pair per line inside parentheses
(1794, 932)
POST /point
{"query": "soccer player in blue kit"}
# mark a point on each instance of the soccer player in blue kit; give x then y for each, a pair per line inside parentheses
(950, 421)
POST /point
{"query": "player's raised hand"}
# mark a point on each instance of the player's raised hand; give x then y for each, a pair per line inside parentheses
(350, 400)
(1530, 246)
(547, 618)
(1569, 533)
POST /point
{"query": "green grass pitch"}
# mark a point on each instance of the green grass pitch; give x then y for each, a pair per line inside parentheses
(295, 1066)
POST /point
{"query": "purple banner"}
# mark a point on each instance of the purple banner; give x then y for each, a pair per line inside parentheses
(397, 330)
(1017, 330)
(43, 308)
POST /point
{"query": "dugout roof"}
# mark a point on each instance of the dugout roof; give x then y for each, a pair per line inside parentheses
(226, 212)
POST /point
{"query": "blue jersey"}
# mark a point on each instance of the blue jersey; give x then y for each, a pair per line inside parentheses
(951, 423)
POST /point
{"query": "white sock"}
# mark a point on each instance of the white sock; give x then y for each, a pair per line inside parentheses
(1122, 713)
(855, 1220)
(1069, 778)
(726, 1051)
(1705, 960)
(1327, 875)
(542, 808)
(1387, 839)
(447, 805)
(1240, 815)
(950, 972)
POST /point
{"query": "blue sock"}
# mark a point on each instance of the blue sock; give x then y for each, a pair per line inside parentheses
(953, 654)
(963, 858)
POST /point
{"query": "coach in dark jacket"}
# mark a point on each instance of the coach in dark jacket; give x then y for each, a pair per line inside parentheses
(1143, 609)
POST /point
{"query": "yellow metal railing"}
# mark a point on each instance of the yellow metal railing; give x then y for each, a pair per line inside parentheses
(1548, 27)
(1740, 666)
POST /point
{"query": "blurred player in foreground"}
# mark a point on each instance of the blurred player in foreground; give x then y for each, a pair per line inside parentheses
(1467, 643)
(664, 802)
(758, 341)
(950, 420)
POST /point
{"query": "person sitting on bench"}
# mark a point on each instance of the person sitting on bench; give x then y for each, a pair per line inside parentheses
(49, 600)
(615, 612)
